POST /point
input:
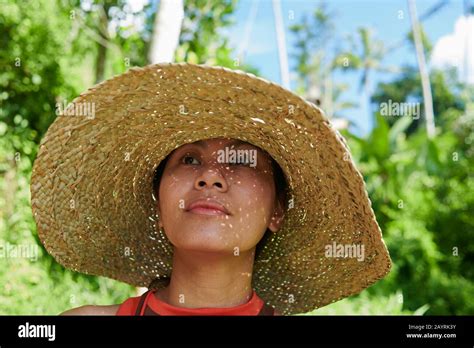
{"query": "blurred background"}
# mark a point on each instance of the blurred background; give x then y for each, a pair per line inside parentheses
(396, 78)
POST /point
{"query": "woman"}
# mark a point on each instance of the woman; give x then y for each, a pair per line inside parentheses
(222, 193)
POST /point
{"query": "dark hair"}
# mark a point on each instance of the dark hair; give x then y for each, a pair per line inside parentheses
(158, 174)
(281, 190)
(281, 185)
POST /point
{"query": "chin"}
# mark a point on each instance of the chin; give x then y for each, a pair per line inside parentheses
(211, 238)
(209, 247)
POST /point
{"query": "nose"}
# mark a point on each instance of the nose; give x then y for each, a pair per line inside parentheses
(211, 177)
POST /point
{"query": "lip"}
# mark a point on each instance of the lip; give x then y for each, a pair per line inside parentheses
(207, 206)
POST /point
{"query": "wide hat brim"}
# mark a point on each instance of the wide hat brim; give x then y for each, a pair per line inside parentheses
(91, 186)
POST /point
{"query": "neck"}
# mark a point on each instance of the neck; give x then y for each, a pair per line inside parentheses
(208, 280)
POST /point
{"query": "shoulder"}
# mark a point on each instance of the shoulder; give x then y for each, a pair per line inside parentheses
(92, 310)
(128, 307)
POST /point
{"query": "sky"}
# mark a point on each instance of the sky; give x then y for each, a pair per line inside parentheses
(389, 20)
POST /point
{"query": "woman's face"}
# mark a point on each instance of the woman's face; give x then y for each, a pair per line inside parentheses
(210, 202)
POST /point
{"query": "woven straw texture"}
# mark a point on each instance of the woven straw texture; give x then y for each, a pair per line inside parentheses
(91, 185)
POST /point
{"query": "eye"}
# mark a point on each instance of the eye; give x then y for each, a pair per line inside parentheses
(188, 159)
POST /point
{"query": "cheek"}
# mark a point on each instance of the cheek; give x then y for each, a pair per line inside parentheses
(256, 189)
(175, 183)
(171, 196)
(254, 197)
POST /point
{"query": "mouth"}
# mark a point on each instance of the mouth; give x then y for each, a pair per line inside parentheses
(207, 207)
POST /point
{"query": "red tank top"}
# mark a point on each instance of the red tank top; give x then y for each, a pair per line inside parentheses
(148, 304)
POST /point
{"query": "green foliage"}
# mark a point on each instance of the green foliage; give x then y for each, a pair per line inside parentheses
(201, 41)
(312, 36)
(38, 70)
(365, 304)
(32, 282)
(427, 46)
(407, 87)
(365, 53)
(316, 61)
(31, 76)
(422, 193)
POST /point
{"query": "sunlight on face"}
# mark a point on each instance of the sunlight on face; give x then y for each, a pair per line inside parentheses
(208, 204)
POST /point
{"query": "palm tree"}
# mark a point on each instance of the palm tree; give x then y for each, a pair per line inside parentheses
(368, 56)
(102, 48)
(241, 52)
(425, 80)
(315, 64)
(166, 31)
(282, 53)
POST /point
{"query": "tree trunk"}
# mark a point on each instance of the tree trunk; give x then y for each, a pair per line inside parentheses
(328, 104)
(282, 54)
(102, 49)
(425, 80)
(166, 31)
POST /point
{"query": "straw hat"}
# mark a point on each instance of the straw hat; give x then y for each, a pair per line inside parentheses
(91, 186)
